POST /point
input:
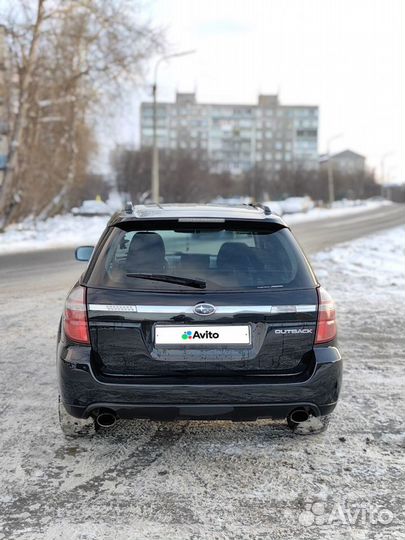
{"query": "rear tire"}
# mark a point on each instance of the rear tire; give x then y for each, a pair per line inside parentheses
(75, 427)
(312, 426)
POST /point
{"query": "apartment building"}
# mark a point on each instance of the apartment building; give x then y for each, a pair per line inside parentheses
(235, 138)
(346, 162)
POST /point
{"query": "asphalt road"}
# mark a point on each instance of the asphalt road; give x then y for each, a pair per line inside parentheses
(317, 235)
(28, 269)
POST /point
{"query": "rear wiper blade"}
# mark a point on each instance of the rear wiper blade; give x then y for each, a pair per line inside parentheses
(197, 283)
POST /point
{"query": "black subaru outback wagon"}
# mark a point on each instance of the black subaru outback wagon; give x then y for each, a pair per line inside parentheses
(197, 312)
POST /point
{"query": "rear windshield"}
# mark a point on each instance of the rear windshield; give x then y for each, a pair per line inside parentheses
(221, 258)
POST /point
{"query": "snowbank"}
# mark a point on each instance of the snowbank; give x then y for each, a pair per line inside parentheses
(57, 232)
(340, 208)
(377, 259)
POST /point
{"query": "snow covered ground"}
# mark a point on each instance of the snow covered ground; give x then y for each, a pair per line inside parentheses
(339, 208)
(68, 230)
(189, 480)
(57, 232)
(379, 260)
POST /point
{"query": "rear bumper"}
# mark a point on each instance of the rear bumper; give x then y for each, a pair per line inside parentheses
(83, 394)
(218, 411)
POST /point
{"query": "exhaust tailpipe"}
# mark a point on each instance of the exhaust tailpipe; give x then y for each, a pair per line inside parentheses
(106, 419)
(298, 416)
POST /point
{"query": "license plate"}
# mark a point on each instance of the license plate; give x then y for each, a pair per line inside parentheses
(202, 335)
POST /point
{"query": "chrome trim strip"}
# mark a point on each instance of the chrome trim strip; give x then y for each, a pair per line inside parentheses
(112, 307)
(230, 310)
(220, 310)
(300, 308)
(175, 310)
(305, 308)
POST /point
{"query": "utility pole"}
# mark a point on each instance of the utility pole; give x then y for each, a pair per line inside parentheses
(155, 149)
(3, 112)
(382, 171)
(331, 182)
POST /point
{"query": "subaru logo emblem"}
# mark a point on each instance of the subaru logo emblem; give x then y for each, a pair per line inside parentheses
(204, 309)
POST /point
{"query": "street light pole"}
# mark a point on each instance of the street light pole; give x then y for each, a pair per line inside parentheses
(382, 171)
(155, 149)
(331, 182)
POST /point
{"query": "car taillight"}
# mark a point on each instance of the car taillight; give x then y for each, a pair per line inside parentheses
(75, 316)
(326, 329)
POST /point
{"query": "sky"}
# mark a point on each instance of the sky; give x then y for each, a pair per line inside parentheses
(347, 56)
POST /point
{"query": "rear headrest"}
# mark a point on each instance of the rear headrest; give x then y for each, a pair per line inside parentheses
(146, 253)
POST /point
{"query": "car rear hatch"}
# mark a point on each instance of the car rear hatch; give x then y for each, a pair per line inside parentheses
(273, 334)
(243, 321)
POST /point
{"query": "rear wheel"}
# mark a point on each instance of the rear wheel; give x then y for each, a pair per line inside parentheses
(312, 426)
(74, 427)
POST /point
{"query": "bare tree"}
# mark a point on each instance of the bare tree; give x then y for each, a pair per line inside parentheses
(184, 177)
(68, 60)
(9, 191)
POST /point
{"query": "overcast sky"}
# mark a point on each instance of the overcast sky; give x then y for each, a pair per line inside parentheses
(344, 55)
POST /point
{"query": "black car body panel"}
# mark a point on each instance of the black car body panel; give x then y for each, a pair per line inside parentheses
(124, 343)
(123, 370)
(83, 391)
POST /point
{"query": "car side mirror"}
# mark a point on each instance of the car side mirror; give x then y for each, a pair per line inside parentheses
(83, 253)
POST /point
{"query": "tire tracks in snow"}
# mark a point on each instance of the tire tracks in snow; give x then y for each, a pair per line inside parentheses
(45, 504)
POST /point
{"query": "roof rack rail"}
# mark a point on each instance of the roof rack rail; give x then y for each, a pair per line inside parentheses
(261, 206)
(128, 207)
